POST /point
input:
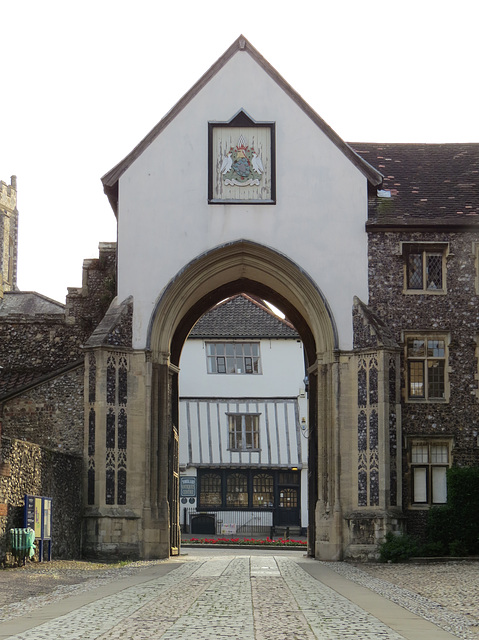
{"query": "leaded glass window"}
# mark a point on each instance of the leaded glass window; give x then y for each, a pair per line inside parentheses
(425, 269)
(263, 491)
(210, 490)
(258, 489)
(237, 490)
(426, 362)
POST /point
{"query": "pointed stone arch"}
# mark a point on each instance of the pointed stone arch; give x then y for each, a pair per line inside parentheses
(232, 268)
(242, 266)
(353, 413)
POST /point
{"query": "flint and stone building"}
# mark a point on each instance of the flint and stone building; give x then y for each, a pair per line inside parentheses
(370, 250)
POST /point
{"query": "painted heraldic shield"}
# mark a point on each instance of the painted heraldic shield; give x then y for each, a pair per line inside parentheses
(242, 166)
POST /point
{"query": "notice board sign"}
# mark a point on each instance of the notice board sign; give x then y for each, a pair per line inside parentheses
(187, 487)
(38, 516)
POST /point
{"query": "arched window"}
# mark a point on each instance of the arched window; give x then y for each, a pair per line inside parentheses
(237, 490)
(263, 494)
(210, 490)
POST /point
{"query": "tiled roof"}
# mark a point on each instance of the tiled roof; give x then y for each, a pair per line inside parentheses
(28, 303)
(13, 382)
(430, 184)
(16, 379)
(242, 317)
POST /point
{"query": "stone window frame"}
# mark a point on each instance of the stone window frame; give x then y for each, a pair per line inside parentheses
(243, 432)
(217, 357)
(427, 335)
(423, 464)
(408, 248)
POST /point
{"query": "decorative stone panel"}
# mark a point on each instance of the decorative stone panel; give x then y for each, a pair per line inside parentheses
(110, 406)
(368, 436)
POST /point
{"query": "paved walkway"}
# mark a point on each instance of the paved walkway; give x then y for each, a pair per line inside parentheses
(226, 596)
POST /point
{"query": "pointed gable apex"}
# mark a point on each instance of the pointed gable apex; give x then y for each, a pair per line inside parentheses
(110, 179)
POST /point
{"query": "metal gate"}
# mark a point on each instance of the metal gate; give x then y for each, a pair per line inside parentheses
(174, 493)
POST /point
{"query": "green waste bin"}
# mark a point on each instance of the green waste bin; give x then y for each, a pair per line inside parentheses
(22, 542)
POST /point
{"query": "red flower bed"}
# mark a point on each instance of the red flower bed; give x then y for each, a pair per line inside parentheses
(279, 542)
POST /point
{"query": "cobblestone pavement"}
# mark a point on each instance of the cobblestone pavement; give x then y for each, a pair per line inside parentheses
(239, 598)
(237, 595)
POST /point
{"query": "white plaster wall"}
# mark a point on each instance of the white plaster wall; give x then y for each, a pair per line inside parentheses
(282, 365)
(318, 222)
(304, 497)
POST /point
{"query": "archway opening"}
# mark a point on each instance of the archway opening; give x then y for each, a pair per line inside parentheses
(243, 432)
(242, 267)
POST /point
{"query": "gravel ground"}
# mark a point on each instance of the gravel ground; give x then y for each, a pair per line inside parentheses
(446, 593)
(454, 585)
(58, 579)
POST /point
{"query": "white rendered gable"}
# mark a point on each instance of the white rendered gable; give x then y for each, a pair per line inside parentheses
(165, 220)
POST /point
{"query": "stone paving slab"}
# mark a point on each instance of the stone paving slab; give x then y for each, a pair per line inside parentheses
(257, 597)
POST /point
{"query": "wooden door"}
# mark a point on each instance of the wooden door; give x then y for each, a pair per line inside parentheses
(287, 513)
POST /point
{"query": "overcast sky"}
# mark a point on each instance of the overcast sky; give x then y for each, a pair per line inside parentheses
(83, 82)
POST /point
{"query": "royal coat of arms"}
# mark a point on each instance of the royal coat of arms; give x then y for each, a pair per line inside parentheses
(242, 165)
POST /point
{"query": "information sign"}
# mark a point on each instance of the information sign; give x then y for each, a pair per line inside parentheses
(187, 487)
(38, 516)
